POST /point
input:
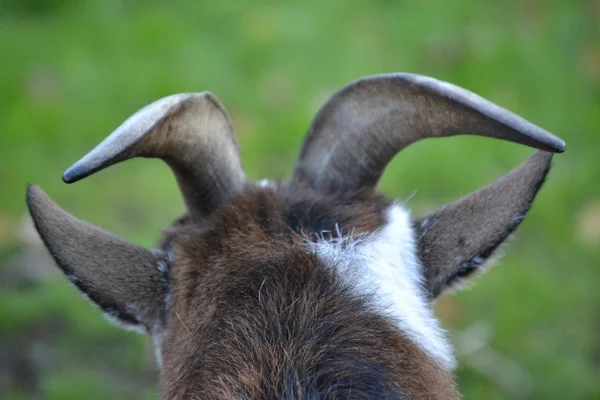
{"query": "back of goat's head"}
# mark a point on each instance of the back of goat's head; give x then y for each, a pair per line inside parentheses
(313, 288)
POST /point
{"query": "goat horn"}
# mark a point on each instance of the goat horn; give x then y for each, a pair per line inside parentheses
(363, 126)
(192, 133)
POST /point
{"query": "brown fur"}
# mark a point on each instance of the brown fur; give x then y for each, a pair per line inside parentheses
(255, 315)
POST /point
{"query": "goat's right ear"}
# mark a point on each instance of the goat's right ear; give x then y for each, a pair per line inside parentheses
(128, 282)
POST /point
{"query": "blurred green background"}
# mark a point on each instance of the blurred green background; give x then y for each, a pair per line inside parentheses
(72, 70)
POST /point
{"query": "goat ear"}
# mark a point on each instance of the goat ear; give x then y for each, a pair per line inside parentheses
(456, 240)
(128, 282)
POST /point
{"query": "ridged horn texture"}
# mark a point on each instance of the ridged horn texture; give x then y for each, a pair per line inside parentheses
(363, 126)
(192, 133)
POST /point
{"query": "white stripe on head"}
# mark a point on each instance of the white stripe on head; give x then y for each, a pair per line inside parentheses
(385, 263)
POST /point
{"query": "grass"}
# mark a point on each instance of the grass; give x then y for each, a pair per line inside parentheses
(72, 70)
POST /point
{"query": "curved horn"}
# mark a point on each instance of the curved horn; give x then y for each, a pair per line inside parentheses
(192, 133)
(363, 126)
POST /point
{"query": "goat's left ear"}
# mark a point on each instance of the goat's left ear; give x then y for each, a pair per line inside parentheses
(456, 240)
(128, 282)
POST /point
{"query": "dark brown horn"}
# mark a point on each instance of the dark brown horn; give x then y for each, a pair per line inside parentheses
(363, 126)
(192, 133)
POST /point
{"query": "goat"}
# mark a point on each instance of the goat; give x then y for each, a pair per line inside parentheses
(313, 288)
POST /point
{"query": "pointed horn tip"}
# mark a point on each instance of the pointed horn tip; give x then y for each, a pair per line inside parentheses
(549, 144)
(81, 169)
(559, 146)
(72, 174)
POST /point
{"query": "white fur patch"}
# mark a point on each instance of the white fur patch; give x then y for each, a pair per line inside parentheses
(158, 336)
(385, 263)
(265, 183)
